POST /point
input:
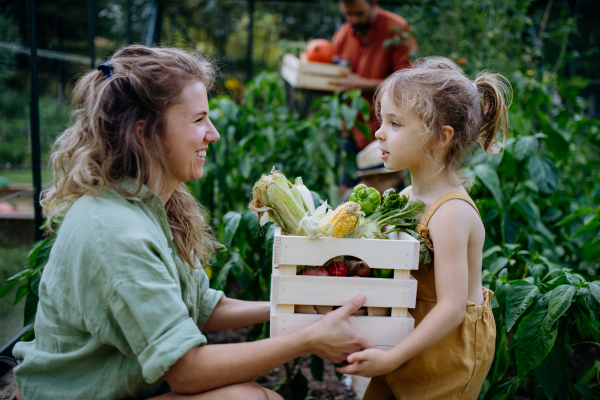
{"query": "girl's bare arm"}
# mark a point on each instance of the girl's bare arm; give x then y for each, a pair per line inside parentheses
(233, 313)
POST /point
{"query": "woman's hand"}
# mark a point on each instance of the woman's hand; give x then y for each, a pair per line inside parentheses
(369, 363)
(333, 337)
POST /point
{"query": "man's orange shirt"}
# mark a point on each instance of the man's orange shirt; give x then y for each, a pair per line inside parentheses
(373, 60)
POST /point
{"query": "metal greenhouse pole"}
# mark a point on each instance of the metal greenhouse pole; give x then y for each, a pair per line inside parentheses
(92, 32)
(36, 161)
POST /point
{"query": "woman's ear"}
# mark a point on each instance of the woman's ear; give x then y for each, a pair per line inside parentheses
(137, 130)
(447, 135)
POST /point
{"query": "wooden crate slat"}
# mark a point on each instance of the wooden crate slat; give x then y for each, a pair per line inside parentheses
(384, 332)
(377, 253)
(315, 82)
(313, 68)
(337, 291)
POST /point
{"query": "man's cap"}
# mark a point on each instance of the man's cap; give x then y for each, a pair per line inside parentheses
(369, 162)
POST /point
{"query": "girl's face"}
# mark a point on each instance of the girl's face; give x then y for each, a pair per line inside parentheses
(399, 136)
(188, 133)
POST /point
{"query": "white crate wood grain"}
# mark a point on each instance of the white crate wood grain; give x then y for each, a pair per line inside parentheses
(310, 75)
(300, 300)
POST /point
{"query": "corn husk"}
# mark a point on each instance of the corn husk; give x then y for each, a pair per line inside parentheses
(275, 199)
(286, 206)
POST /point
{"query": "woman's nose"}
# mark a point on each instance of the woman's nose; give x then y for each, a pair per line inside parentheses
(212, 135)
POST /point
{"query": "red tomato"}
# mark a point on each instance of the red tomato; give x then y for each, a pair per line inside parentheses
(337, 269)
(320, 50)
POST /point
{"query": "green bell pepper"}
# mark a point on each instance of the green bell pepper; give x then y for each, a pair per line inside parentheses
(368, 198)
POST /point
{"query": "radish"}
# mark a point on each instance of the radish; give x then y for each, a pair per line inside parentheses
(337, 269)
(316, 271)
(358, 268)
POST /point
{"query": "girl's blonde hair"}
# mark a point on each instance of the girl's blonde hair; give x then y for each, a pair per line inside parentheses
(101, 148)
(439, 94)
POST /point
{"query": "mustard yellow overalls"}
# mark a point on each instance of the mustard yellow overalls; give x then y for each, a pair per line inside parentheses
(454, 368)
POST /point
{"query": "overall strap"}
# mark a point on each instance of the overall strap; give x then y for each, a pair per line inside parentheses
(422, 229)
(448, 196)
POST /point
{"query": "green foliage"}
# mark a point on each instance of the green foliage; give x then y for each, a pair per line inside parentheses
(15, 145)
(544, 309)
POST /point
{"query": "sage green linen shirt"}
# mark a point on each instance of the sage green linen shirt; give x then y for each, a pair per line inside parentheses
(117, 306)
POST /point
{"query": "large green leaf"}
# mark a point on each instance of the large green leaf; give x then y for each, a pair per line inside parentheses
(519, 297)
(535, 340)
(559, 302)
(231, 220)
(299, 386)
(551, 371)
(585, 391)
(316, 367)
(544, 173)
(556, 143)
(503, 390)
(525, 147)
(489, 177)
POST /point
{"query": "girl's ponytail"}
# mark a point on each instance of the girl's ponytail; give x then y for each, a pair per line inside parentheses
(494, 92)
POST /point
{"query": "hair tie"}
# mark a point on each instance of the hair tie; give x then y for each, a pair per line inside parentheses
(106, 69)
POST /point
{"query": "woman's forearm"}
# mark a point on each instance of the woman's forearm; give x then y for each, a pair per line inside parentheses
(232, 313)
(440, 321)
(209, 367)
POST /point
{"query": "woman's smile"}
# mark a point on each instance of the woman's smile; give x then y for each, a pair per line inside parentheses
(201, 154)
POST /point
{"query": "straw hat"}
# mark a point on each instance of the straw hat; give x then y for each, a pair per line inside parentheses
(369, 162)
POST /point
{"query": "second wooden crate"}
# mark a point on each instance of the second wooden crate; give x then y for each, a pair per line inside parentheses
(388, 300)
(310, 75)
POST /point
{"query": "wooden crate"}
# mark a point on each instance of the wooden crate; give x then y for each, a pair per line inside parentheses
(310, 75)
(293, 296)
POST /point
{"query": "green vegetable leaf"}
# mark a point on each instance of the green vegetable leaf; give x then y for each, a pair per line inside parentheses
(585, 391)
(231, 220)
(525, 147)
(559, 302)
(519, 297)
(299, 386)
(316, 367)
(503, 390)
(498, 264)
(7, 287)
(489, 177)
(536, 338)
(590, 227)
(544, 174)
(551, 372)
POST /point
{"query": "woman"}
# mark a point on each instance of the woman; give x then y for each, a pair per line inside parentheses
(123, 296)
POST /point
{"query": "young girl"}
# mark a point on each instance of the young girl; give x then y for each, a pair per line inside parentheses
(430, 115)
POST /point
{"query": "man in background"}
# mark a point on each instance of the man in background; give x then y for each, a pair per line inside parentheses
(375, 42)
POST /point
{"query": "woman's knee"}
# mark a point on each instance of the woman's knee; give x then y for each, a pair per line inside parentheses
(240, 391)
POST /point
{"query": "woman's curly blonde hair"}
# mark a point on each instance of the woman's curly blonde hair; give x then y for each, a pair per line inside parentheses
(101, 149)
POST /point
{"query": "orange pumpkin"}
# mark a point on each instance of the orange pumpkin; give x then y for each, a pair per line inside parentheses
(320, 50)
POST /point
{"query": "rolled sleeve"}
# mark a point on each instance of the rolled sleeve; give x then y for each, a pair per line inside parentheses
(208, 302)
(150, 322)
(163, 352)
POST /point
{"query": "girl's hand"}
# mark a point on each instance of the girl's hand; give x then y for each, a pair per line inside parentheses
(369, 363)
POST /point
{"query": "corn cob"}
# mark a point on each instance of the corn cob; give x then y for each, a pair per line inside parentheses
(286, 206)
(343, 218)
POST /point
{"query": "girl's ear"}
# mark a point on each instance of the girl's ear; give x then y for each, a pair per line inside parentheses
(447, 135)
(137, 130)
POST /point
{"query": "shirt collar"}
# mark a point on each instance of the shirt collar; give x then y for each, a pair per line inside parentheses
(137, 189)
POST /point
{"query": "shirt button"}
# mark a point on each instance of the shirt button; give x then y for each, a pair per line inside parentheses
(170, 250)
